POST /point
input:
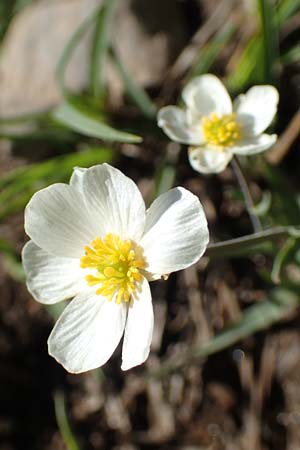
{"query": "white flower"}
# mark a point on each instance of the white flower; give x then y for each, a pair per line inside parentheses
(215, 128)
(93, 240)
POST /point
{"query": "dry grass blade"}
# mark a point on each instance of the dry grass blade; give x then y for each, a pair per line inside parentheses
(285, 141)
(187, 56)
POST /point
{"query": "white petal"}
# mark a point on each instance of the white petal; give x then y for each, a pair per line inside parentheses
(87, 333)
(256, 109)
(206, 94)
(113, 198)
(57, 220)
(63, 219)
(176, 233)
(138, 329)
(174, 122)
(51, 279)
(77, 177)
(254, 145)
(208, 160)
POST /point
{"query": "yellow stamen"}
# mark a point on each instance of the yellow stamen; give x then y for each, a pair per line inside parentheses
(116, 265)
(221, 131)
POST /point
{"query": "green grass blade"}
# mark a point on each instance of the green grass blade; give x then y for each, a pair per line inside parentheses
(255, 318)
(211, 51)
(82, 122)
(10, 176)
(164, 179)
(100, 47)
(285, 207)
(286, 9)
(242, 245)
(269, 38)
(56, 309)
(292, 56)
(13, 267)
(70, 47)
(252, 68)
(6, 247)
(8, 9)
(24, 118)
(134, 91)
(6, 14)
(249, 68)
(262, 208)
(20, 4)
(63, 422)
(280, 259)
(11, 261)
(21, 185)
(58, 135)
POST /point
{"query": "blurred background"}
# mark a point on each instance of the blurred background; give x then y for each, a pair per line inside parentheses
(80, 84)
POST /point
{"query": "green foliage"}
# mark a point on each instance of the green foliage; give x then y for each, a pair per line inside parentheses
(269, 37)
(260, 57)
(70, 47)
(63, 422)
(8, 9)
(17, 187)
(209, 53)
(256, 242)
(100, 47)
(135, 92)
(255, 318)
(83, 121)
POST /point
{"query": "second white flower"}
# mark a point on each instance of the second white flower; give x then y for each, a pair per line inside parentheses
(215, 128)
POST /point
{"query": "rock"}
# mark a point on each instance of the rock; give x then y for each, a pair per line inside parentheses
(149, 35)
(31, 50)
(146, 35)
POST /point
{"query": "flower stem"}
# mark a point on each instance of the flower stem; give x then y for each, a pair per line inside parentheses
(245, 243)
(246, 193)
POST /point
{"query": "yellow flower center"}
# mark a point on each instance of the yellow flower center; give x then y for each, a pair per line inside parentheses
(117, 265)
(222, 131)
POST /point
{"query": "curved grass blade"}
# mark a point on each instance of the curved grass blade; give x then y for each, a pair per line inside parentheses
(19, 185)
(281, 258)
(11, 261)
(63, 422)
(269, 38)
(242, 245)
(23, 118)
(70, 47)
(59, 135)
(286, 9)
(164, 179)
(292, 56)
(263, 207)
(208, 54)
(82, 122)
(255, 318)
(8, 9)
(100, 46)
(134, 91)
(250, 68)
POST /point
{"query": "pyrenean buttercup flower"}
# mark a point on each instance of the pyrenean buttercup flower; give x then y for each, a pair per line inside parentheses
(93, 240)
(215, 128)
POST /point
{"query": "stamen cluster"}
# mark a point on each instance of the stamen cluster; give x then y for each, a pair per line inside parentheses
(117, 265)
(223, 131)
